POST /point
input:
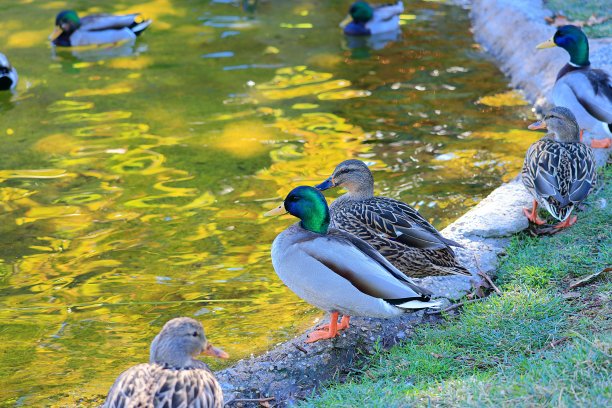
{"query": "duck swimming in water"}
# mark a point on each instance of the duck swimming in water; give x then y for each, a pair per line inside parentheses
(558, 171)
(586, 91)
(336, 271)
(364, 19)
(173, 377)
(72, 31)
(8, 74)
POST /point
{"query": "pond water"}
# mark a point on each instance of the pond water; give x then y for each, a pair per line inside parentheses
(133, 180)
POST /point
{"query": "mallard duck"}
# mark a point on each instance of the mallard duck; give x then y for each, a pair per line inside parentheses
(336, 271)
(587, 92)
(558, 171)
(8, 74)
(395, 229)
(173, 377)
(72, 31)
(363, 19)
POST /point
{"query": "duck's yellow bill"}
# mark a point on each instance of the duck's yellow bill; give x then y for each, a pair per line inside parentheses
(546, 44)
(540, 124)
(56, 33)
(280, 210)
(346, 21)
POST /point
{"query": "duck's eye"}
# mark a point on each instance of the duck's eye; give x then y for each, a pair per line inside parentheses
(195, 334)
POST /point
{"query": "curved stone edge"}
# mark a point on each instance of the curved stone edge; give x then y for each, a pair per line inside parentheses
(294, 370)
(509, 31)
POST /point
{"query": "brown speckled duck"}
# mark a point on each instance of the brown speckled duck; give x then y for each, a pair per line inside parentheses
(558, 171)
(173, 377)
(395, 229)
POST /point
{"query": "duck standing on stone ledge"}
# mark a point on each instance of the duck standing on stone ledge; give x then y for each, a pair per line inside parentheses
(395, 229)
(72, 31)
(363, 19)
(336, 271)
(173, 377)
(587, 92)
(558, 171)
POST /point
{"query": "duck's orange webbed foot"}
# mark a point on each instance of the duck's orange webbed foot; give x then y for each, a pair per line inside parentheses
(601, 143)
(532, 215)
(328, 331)
(569, 221)
(344, 324)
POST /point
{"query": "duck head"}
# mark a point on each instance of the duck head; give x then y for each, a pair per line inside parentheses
(573, 40)
(561, 125)
(360, 13)
(67, 22)
(179, 342)
(354, 176)
(309, 205)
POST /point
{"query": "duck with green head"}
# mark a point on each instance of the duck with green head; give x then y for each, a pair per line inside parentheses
(558, 171)
(587, 92)
(72, 31)
(364, 19)
(338, 272)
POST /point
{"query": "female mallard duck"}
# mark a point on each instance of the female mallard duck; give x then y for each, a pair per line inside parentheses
(8, 74)
(395, 229)
(587, 92)
(336, 271)
(559, 171)
(173, 377)
(72, 31)
(364, 19)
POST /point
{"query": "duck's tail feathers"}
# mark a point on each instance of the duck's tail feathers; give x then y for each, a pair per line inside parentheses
(419, 304)
(140, 27)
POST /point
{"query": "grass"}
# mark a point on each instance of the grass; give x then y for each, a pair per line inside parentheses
(582, 10)
(535, 346)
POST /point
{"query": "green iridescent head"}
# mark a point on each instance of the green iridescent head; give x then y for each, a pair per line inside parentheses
(361, 12)
(309, 205)
(573, 40)
(68, 20)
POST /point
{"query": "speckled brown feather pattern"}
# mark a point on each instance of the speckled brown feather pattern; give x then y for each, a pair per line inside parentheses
(156, 386)
(559, 175)
(399, 233)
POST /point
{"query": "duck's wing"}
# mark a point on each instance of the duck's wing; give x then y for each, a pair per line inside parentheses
(361, 265)
(592, 88)
(151, 385)
(387, 11)
(100, 22)
(396, 220)
(133, 385)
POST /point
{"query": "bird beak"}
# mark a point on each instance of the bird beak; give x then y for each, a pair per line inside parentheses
(546, 44)
(540, 124)
(280, 210)
(56, 33)
(346, 21)
(329, 183)
(212, 351)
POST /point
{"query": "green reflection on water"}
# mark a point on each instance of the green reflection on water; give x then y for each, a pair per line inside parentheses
(132, 187)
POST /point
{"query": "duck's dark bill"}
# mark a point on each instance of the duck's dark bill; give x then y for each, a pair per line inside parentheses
(325, 185)
(540, 124)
